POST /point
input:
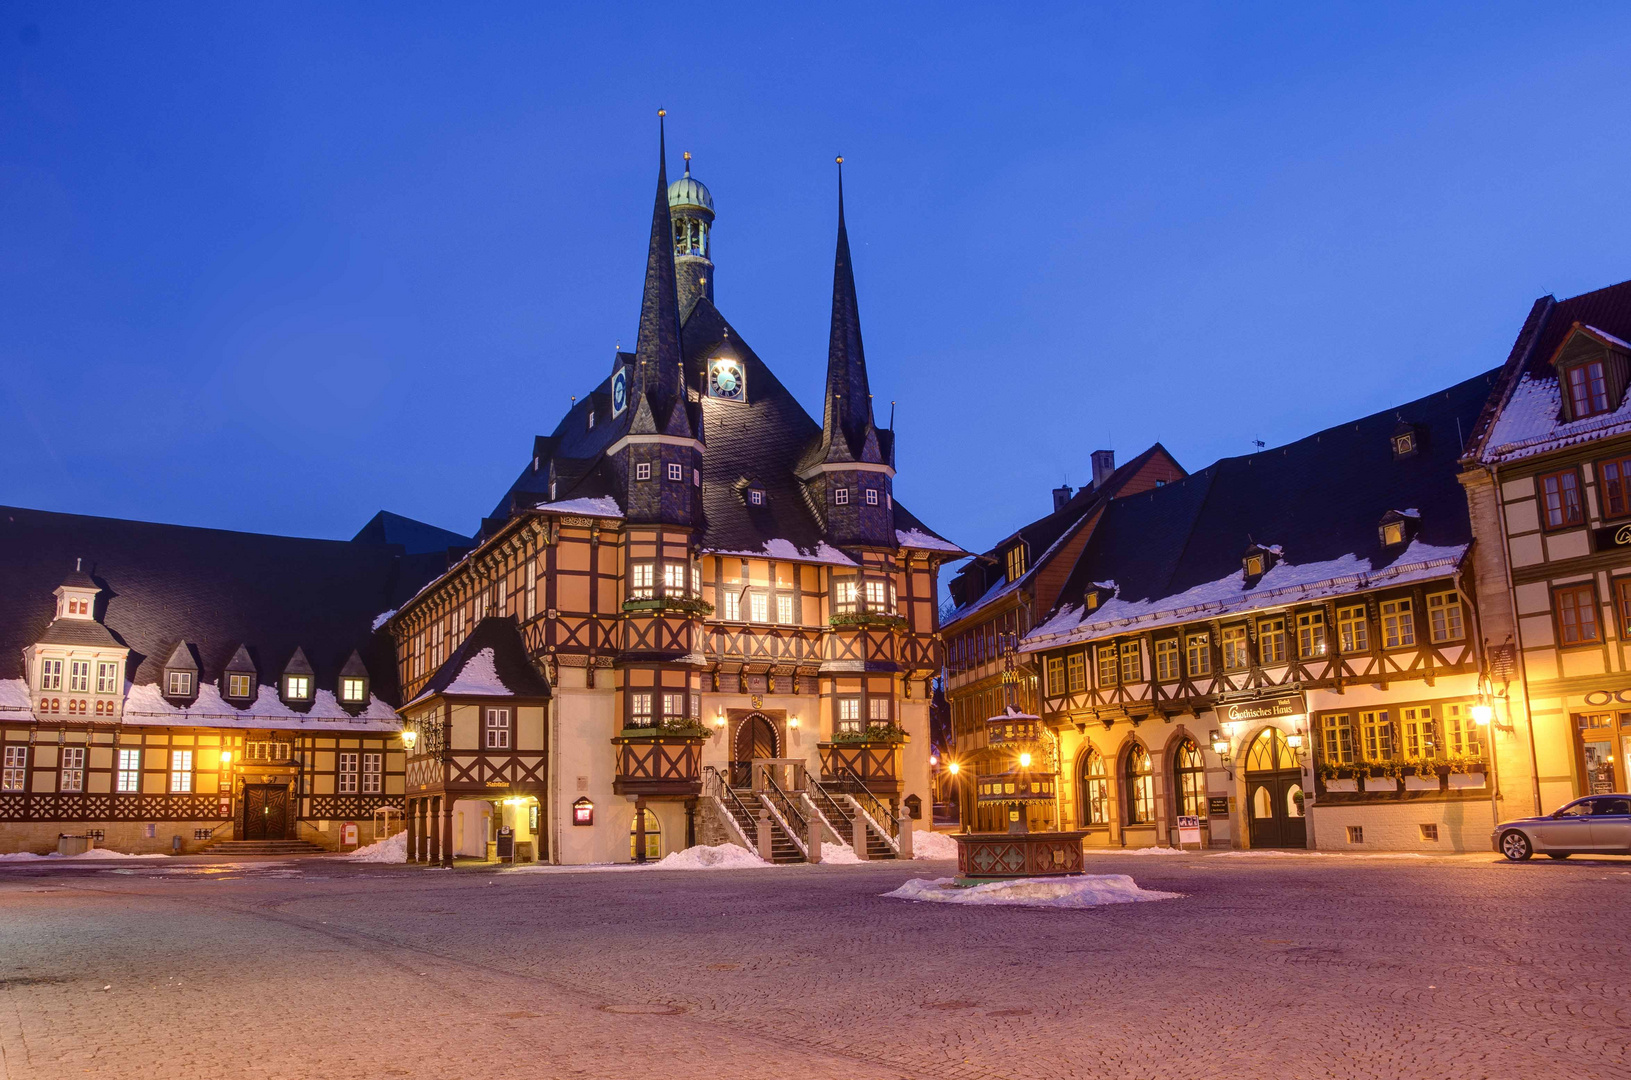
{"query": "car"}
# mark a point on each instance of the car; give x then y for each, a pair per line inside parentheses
(1594, 825)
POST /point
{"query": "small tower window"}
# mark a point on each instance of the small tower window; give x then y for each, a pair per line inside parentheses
(676, 471)
(1392, 533)
(1404, 445)
(872, 496)
(756, 497)
(840, 496)
(642, 470)
(1254, 565)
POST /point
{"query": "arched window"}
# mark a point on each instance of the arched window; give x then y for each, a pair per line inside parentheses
(654, 836)
(1140, 787)
(1095, 790)
(1269, 752)
(1189, 779)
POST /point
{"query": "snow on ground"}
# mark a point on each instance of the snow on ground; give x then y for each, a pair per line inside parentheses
(933, 845)
(393, 849)
(838, 855)
(1141, 851)
(93, 855)
(717, 857)
(1085, 891)
(701, 857)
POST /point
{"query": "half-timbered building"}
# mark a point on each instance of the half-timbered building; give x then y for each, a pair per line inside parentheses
(1280, 646)
(735, 616)
(169, 689)
(1548, 476)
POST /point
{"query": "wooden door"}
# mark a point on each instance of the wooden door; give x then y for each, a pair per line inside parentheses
(755, 738)
(266, 811)
(1274, 794)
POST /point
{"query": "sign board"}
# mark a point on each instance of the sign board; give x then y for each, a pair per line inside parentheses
(348, 834)
(226, 806)
(1264, 708)
(1218, 806)
(1611, 537)
(1189, 829)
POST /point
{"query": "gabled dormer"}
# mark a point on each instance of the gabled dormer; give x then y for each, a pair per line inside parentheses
(1015, 561)
(1397, 528)
(354, 683)
(1096, 595)
(295, 685)
(240, 682)
(752, 493)
(1258, 560)
(1592, 368)
(178, 681)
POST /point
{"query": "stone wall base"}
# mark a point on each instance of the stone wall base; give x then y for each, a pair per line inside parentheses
(1462, 825)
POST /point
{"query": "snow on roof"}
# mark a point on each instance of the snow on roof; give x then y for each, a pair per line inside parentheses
(383, 617)
(1285, 583)
(1608, 337)
(145, 705)
(597, 506)
(479, 676)
(14, 696)
(917, 538)
(823, 552)
(1530, 422)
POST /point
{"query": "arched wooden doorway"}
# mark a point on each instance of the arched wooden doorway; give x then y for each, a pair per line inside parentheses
(1274, 793)
(755, 738)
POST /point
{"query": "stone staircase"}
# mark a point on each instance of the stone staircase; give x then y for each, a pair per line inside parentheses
(284, 848)
(744, 806)
(840, 810)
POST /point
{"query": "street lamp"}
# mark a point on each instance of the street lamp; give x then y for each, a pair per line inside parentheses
(954, 768)
(409, 737)
(1483, 712)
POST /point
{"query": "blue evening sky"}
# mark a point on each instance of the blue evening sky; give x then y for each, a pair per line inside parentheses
(274, 267)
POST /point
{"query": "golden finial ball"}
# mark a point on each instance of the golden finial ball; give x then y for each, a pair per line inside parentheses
(662, 112)
(840, 159)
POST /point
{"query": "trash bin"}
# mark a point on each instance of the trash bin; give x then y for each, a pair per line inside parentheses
(506, 844)
(72, 844)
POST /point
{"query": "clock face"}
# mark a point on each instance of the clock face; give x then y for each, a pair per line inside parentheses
(725, 379)
(620, 390)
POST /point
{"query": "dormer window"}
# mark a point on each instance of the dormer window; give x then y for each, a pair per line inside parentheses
(1588, 390)
(1015, 559)
(1097, 593)
(179, 684)
(240, 685)
(591, 418)
(1091, 601)
(1397, 527)
(755, 495)
(1258, 561)
(352, 690)
(1404, 444)
(297, 687)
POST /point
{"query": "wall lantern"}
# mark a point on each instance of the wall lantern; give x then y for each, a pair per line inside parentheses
(954, 768)
(226, 758)
(409, 737)
(934, 759)
(1295, 740)
(1483, 712)
(583, 812)
(793, 722)
(1220, 746)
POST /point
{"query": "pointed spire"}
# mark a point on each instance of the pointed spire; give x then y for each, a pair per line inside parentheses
(657, 350)
(847, 430)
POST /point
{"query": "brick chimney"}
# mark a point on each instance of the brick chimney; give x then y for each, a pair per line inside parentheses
(1061, 496)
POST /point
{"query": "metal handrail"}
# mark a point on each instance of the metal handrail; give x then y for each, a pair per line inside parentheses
(787, 806)
(832, 805)
(873, 806)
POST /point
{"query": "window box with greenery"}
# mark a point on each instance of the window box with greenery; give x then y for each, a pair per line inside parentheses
(668, 729)
(684, 605)
(860, 619)
(872, 733)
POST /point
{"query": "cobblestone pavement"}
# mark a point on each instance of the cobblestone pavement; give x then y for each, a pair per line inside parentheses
(1267, 967)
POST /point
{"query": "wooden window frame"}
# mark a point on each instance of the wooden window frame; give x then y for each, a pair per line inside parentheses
(1406, 622)
(1566, 378)
(1055, 668)
(489, 729)
(347, 772)
(1076, 672)
(1454, 602)
(71, 769)
(1272, 628)
(1621, 484)
(1198, 644)
(1622, 603)
(15, 765)
(1107, 661)
(1345, 617)
(1228, 636)
(121, 772)
(1337, 739)
(1311, 627)
(1167, 649)
(1131, 662)
(1590, 589)
(1573, 474)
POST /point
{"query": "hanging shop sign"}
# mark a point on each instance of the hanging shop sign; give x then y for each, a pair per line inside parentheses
(1267, 708)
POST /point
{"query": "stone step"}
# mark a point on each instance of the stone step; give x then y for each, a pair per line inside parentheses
(263, 847)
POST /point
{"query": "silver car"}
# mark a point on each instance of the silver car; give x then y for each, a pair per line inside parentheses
(1595, 825)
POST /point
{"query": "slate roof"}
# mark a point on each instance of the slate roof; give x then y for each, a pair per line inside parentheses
(500, 638)
(1319, 501)
(1525, 416)
(217, 590)
(414, 537)
(761, 440)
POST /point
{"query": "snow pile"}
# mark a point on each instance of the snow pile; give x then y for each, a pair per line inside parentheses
(704, 857)
(479, 676)
(788, 551)
(1093, 890)
(393, 849)
(922, 541)
(1140, 851)
(93, 855)
(933, 845)
(839, 855)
